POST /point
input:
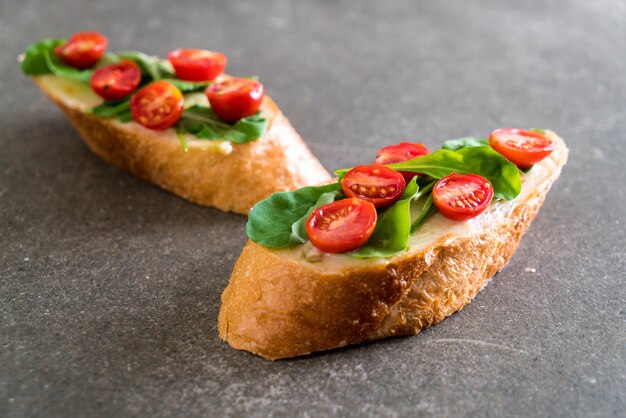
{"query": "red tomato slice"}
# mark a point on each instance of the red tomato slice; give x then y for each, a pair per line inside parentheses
(462, 196)
(83, 50)
(403, 151)
(374, 183)
(520, 146)
(235, 98)
(341, 226)
(116, 81)
(197, 64)
(159, 105)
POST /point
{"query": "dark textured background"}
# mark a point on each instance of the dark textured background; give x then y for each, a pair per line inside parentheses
(109, 287)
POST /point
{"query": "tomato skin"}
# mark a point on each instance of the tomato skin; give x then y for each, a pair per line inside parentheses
(158, 105)
(116, 81)
(83, 49)
(374, 183)
(403, 151)
(197, 64)
(521, 146)
(462, 196)
(235, 98)
(341, 226)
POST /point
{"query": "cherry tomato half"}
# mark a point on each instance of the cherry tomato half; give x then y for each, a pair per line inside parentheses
(520, 146)
(374, 183)
(116, 81)
(159, 105)
(462, 196)
(197, 64)
(403, 151)
(235, 98)
(83, 49)
(341, 226)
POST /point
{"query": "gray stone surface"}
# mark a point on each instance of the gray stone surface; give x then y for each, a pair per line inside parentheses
(109, 287)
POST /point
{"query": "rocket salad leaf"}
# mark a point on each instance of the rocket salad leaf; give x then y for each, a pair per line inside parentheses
(468, 142)
(270, 222)
(205, 124)
(298, 229)
(393, 227)
(154, 67)
(118, 109)
(41, 59)
(482, 160)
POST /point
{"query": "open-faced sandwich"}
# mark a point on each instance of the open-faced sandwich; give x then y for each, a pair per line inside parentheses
(386, 249)
(181, 123)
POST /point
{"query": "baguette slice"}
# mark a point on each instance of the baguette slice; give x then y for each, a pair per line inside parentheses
(291, 302)
(230, 177)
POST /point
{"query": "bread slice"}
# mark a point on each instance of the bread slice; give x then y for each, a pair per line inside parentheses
(230, 177)
(291, 302)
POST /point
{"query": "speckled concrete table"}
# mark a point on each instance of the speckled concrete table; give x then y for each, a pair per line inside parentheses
(110, 287)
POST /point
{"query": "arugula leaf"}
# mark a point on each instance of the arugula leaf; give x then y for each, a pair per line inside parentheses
(153, 67)
(484, 161)
(393, 227)
(41, 59)
(467, 142)
(205, 124)
(198, 120)
(188, 86)
(181, 139)
(119, 110)
(427, 209)
(270, 221)
(298, 229)
(34, 61)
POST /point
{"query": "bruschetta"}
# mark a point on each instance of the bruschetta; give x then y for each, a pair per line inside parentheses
(181, 123)
(387, 249)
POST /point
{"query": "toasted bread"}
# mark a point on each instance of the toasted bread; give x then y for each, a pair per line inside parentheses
(289, 302)
(230, 177)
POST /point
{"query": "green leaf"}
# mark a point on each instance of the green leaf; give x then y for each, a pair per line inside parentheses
(188, 86)
(426, 209)
(119, 110)
(41, 59)
(393, 227)
(182, 140)
(253, 126)
(270, 221)
(484, 161)
(468, 142)
(125, 116)
(298, 229)
(153, 67)
(205, 124)
(34, 61)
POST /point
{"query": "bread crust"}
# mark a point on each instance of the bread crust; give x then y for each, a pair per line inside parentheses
(234, 182)
(278, 307)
